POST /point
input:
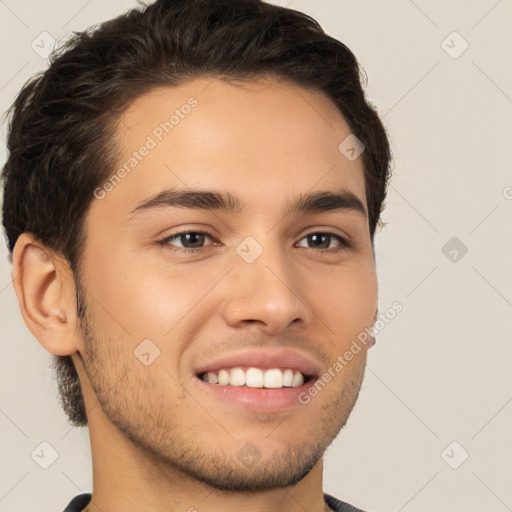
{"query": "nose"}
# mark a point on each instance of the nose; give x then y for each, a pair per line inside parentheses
(266, 294)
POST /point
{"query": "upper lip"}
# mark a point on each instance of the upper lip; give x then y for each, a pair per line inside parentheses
(271, 358)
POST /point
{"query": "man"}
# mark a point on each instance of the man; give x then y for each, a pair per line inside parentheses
(191, 197)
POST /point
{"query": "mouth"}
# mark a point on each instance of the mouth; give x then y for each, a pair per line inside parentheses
(258, 380)
(253, 377)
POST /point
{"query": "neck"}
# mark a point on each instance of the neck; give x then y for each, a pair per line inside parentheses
(127, 478)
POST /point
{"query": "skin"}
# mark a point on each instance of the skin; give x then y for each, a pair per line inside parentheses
(157, 443)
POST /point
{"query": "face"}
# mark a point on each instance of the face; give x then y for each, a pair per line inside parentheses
(206, 261)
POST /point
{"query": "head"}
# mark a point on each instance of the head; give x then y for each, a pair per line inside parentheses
(250, 103)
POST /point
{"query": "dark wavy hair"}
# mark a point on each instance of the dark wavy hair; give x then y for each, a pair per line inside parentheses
(63, 122)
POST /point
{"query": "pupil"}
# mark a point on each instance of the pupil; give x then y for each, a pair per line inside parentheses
(193, 238)
(316, 238)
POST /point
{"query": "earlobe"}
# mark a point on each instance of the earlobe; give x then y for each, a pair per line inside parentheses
(44, 287)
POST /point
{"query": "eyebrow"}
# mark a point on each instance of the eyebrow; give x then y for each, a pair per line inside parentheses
(322, 201)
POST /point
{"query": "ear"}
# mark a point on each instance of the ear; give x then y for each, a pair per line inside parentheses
(45, 288)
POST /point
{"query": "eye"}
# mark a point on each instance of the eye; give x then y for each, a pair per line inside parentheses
(187, 240)
(322, 240)
(195, 241)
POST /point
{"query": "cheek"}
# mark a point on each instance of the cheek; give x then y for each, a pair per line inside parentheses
(144, 303)
(346, 301)
(150, 300)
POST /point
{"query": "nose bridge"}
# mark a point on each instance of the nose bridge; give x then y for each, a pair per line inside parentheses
(263, 288)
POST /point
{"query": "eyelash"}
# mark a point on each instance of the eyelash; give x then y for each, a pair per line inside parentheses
(165, 242)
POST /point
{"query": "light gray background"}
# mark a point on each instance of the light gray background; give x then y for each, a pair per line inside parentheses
(441, 370)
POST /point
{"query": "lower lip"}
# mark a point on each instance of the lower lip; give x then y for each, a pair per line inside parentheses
(256, 399)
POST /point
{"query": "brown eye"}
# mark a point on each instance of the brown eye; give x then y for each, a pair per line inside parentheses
(186, 241)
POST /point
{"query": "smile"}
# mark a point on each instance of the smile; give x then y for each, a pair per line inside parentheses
(272, 378)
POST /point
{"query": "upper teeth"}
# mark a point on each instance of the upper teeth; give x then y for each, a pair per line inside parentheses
(255, 377)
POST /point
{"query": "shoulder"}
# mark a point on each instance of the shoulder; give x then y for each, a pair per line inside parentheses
(340, 506)
(78, 503)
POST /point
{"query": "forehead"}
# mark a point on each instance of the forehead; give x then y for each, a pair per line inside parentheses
(266, 141)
